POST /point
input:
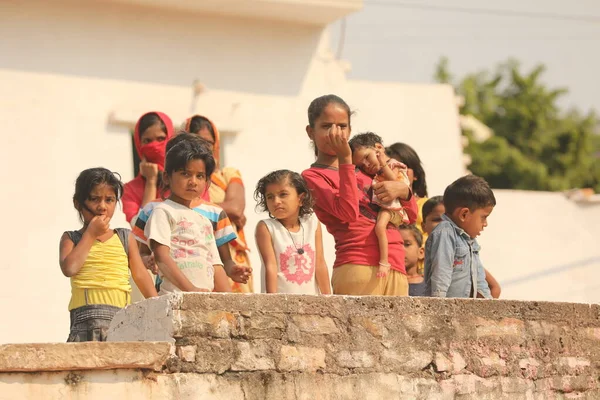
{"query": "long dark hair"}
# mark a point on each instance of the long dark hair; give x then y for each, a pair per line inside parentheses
(407, 155)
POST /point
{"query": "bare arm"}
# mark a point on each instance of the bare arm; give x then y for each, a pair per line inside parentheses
(321, 272)
(138, 271)
(267, 253)
(170, 269)
(71, 257)
(236, 272)
(495, 288)
(150, 173)
(235, 203)
(221, 280)
(388, 173)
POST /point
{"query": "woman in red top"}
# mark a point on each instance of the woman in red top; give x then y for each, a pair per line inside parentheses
(152, 132)
(342, 203)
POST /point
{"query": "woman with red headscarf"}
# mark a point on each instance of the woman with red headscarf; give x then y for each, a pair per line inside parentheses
(227, 191)
(151, 134)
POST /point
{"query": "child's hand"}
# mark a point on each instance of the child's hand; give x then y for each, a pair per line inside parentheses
(149, 170)
(238, 273)
(338, 141)
(197, 289)
(150, 263)
(98, 226)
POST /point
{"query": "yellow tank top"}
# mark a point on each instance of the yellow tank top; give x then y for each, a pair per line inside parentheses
(104, 277)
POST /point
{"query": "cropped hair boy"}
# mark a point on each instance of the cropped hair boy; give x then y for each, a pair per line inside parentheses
(452, 264)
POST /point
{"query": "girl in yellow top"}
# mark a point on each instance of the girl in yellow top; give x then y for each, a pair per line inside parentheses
(97, 258)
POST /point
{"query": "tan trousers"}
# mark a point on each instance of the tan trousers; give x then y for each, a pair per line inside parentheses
(362, 280)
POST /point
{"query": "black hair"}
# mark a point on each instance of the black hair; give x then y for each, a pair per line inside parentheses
(430, 204)
(184, 148)
(470, 191)
(90, 178)
(415, 231)
(149, 120)
(367, 139)
(316, 107)
(280, 176)
(198, 123)
(407, 155)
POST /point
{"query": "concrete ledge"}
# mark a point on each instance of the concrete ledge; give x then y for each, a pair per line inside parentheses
(83, 356)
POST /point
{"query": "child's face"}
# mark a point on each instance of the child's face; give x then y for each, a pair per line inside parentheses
(412, 252)
(333, 114)
(365, 158)
(474, 222)
(189, 183)
(283, 201)
(101, 201)
(433, 218)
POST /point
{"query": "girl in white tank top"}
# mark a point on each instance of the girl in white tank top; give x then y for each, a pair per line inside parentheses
(290, 243)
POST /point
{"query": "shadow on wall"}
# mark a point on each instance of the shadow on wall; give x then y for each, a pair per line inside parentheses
(108, 41)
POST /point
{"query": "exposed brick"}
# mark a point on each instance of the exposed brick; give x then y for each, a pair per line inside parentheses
(355, 359)
(468, 384)
(217, 324)
(408, 360)
(374, 325)
(505, 327)
(299, 358)
(315, 324)
(442, 363)
(458, 362)
(265, 326)
(572, 365)
(516, 385)
(253, 356)
(187, 353)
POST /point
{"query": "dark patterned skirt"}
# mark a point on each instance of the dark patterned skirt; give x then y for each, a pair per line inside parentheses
(90, 323)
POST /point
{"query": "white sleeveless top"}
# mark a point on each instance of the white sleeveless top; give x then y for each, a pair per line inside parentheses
(295, 272)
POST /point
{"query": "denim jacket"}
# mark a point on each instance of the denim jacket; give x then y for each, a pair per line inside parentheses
(452, 265)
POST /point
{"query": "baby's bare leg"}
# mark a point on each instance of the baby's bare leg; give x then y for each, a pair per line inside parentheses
(383, 218)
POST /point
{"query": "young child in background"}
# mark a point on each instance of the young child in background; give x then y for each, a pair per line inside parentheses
(97, 258)
(290, 242)
(452, 264)
(368, 154)
(413, 253)
(433, 210)
(222, 228)
(182, 240)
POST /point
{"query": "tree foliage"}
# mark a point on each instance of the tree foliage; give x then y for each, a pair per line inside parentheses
(536, 145)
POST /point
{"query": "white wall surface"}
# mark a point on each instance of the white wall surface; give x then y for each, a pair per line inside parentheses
(542, 246)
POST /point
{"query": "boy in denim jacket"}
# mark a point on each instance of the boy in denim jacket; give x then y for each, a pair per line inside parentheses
(452, 265)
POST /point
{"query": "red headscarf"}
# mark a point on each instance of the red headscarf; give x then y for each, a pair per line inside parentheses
(154, 152)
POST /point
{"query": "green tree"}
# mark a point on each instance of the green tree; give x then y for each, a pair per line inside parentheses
(536, 145)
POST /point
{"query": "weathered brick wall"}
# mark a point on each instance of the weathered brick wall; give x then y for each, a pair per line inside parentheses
(335, 347)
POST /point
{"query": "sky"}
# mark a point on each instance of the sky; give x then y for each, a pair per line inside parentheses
(396, 40)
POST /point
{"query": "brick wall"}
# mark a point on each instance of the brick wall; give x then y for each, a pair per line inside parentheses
(278, 346)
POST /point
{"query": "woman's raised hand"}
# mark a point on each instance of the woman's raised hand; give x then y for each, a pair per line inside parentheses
(338, 142)
(149, 170)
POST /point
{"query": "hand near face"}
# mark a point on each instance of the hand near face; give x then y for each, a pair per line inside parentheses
(149, 170)
(338, 142)
(98, 226)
